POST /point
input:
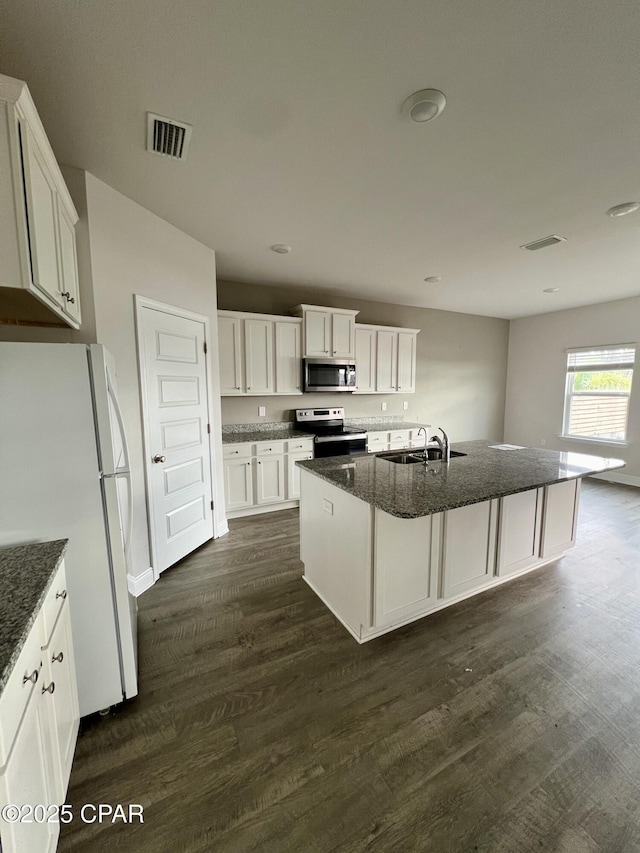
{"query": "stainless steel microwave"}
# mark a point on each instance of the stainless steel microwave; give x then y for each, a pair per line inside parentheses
(329, 374)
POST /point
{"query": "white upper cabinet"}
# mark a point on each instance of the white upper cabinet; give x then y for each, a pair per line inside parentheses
(385, 359)
(288, 357)
(259, 354)
(365, 360)
(39, 273)
(328, 332)
(258, 344)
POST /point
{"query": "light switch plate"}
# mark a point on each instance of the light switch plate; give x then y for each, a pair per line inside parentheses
(327, 506)
(383, 406)
(262, 411)
(405, 405)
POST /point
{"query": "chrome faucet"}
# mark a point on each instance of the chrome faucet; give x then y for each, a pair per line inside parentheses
(426, 439)
(443, 444)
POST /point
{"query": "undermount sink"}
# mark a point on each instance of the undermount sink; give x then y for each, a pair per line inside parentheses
(406, 457)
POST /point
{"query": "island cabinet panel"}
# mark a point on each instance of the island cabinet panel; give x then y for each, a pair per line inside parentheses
(469, 548)
(559, 518)
(519, 531)
(336, 549)
(405, 566)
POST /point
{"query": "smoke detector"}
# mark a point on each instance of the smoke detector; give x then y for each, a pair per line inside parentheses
(168, 137)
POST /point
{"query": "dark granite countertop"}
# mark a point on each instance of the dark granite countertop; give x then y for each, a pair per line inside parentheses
(382, 426)
(411, 491)
(275, 434)
(26, 573)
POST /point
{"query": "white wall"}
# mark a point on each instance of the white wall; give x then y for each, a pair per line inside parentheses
(135, 252)
(537, 369)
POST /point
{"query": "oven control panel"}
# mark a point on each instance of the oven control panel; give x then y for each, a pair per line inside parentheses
(319, 414)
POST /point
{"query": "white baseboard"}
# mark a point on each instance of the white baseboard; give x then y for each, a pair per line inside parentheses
(220, 529)
(141, 583)
(614, 477)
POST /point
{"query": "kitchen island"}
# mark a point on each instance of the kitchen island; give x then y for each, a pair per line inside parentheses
(384, 544)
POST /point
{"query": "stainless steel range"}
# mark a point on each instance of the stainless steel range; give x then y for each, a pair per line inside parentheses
(332, 437)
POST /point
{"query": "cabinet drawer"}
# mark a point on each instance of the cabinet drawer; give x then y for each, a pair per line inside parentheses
(403, 435)
(236, 451)
(378, 439)
(53, 603)
(269, 448)
(17, 691)
(296, 445)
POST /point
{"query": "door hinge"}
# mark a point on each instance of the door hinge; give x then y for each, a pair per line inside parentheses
(209, 428)
(212, 505)
(205, 347)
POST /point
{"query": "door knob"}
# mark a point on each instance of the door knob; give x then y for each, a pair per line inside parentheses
(159, 458)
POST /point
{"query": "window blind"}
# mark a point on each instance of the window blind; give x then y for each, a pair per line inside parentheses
(601, 358)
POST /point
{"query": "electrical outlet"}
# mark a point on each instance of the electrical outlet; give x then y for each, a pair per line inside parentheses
(262, 411)
(383, 406)
(405, 405)
(543, 441)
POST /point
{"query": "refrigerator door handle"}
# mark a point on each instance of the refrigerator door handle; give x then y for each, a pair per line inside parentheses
(116, 408)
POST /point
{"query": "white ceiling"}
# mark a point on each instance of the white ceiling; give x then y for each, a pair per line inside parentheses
(298, 137)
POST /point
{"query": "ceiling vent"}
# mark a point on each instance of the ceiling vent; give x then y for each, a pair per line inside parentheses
(542, 244)
(168, 137)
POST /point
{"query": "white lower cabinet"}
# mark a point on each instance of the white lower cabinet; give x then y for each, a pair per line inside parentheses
(39, 719)
(260, 476)
(270, 479)
(559, 518)
(396, 439)
(399, 570)
(468, 547)
(404, 587)
(519, 531)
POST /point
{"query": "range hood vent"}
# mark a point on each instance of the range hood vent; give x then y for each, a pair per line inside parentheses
(168, 137)
(542, 244)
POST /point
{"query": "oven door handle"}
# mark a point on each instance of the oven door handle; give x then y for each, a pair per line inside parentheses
(324, 438)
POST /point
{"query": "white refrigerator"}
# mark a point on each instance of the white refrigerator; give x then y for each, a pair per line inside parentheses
(64, 474)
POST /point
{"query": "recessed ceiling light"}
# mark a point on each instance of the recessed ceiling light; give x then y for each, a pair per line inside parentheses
(281, 249)
(623, 209)
(424, 105)
(433, 279)
(551, 289)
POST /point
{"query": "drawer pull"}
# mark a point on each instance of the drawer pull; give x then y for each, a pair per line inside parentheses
(62, 594)
(50, 688)
(58, 658)
(32, 678)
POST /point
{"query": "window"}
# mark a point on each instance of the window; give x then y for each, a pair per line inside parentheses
(597, 392)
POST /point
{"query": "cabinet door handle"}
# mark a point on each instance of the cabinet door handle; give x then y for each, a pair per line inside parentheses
(62, 594)
(59, 658)
(259, 462)
(50, 688)
(31, 678)
(68, 297)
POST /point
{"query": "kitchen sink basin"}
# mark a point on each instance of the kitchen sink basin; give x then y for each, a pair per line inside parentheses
(406, 457)
(401, 457)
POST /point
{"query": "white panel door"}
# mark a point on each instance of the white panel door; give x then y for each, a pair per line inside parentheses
(178, 452)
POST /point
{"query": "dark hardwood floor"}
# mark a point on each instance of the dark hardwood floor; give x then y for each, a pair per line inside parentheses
(506, 724)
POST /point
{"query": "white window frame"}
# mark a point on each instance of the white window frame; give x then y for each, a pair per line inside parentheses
(625, 362)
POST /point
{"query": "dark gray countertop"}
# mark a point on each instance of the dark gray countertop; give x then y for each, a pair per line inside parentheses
(382, 426)
(411, 491)
(26, 573)
(275, 434)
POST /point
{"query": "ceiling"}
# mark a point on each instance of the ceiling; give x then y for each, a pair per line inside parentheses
(299, 138)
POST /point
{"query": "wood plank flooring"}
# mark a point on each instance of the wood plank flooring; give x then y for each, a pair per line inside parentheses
(262, 725)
